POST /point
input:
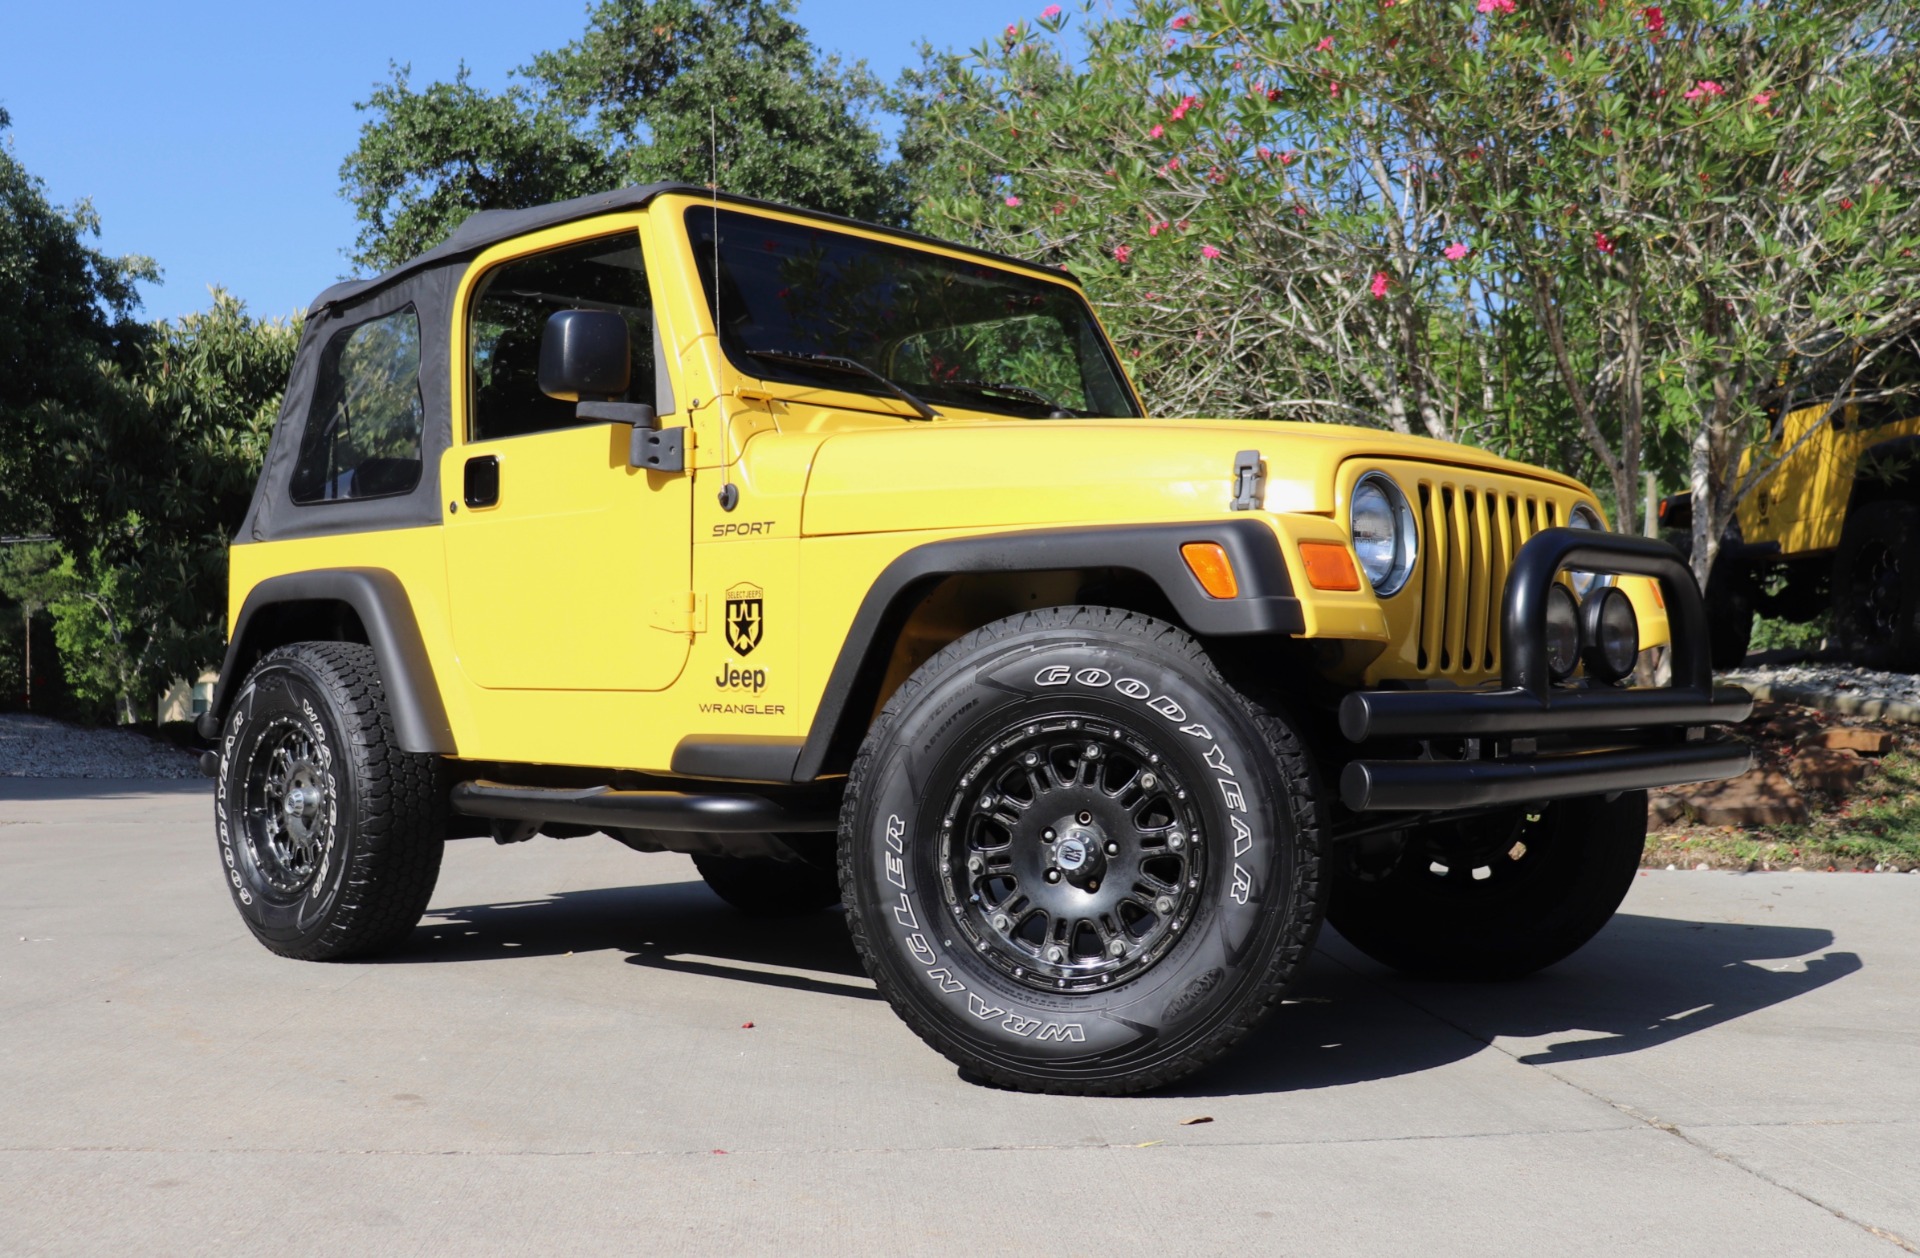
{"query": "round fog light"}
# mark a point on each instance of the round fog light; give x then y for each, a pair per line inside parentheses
(1611, 632)
(1563, 632)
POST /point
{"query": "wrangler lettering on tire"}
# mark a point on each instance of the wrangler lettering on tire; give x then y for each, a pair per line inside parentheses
(1102, 875)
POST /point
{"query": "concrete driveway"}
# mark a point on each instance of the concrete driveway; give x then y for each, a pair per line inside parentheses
(558, 1063)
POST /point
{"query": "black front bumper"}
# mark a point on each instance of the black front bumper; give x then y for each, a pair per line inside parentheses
(1532, 741)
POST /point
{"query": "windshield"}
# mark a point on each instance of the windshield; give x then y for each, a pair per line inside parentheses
(953, 332)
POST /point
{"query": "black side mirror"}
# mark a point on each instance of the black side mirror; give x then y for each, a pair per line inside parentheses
(584, 355)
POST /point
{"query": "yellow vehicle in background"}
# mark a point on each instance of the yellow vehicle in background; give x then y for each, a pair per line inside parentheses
(1835, 528)
(849, 563)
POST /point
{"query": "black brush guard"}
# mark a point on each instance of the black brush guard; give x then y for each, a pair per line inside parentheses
(1530, 740)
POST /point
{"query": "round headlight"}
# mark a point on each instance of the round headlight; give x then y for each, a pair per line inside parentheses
(1384, 538)
(1611, 633)
(1583, 517)
(1563, 632)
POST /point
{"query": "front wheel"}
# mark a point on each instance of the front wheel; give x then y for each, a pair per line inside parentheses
(1496, 896)
(330, 835)
(1074, 859)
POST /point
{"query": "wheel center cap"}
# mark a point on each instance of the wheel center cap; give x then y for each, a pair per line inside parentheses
(1072, 854)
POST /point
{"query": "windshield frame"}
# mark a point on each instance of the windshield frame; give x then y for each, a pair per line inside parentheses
(808, 384)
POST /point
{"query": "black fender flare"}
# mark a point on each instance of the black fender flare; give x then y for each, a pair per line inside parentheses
(1265, 604)
(380, 600)
(1904, 485)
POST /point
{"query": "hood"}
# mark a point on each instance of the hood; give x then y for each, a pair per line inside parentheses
(965, 474)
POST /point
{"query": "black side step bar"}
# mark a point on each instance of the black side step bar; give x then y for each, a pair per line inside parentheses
(602, 806)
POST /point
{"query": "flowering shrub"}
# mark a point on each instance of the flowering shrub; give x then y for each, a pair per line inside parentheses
(1650, 194)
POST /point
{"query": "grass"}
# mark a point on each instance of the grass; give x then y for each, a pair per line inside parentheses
(1877, 824)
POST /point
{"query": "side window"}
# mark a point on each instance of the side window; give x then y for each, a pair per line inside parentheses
(509, 312)
(362, 438)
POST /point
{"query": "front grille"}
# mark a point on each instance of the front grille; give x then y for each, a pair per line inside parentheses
(1469, 535)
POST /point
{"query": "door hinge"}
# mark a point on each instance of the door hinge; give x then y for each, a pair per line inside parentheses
(680, 613)
(660, 449)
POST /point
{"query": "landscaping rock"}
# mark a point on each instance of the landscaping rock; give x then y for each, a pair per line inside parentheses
(1665, 810)
(1868, 742)
(1763, 797)
(1824, 769)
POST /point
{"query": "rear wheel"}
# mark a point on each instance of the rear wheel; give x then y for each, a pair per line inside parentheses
(762, 886)
(330, 834)
(1876, 587)
(1498, 896)
(1074, 859)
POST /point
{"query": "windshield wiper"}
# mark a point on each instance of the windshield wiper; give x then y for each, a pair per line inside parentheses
(851, 366)
(1013, 390)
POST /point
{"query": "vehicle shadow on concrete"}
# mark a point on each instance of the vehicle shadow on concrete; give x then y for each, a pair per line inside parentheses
(1645, 981)
(681, 927)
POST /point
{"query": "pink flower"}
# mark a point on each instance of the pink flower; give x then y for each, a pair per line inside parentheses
(1266, 154)
(1182, 224)
(1012, 29)
(1705, 89)
(1182, 22)
(1495, 6)
(1013, 202)
(1380, 278)
(1286, 158)
(1846, 203)
(1157, 132)
(1173, 164)
(1603, 242)
(1049, 13)
(1123, 253)
(1273, 94)
(1151, 296)
(1326, 43)
(1762, 99)
(1180, 110)
(1333, 89)
(1456, 251)
(1157, 228)
(1656, 20)
(1299, 211)
(1209, 252)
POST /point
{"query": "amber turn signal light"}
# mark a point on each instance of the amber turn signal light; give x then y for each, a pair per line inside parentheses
(1329, 566)
(1210, 567)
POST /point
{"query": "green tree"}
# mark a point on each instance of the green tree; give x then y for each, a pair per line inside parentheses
(159, 481)
(653, 90)
(66, 315)
(1601, 231)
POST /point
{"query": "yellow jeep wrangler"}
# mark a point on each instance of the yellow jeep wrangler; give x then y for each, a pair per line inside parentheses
(1834, 527)
(849, 563)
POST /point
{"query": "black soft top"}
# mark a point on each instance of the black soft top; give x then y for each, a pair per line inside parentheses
(427, 284)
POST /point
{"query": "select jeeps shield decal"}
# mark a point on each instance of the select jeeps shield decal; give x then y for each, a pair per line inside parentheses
(745, 615)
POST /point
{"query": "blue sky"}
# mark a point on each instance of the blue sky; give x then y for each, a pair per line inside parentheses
(209, 136)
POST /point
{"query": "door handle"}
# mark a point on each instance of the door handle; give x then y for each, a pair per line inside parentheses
(482, 481)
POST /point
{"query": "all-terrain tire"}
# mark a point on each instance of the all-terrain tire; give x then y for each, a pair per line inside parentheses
(1496, 897)
(1876, 587)
(330, 835)
(1729, 601)
(1101, 746)
(761, 886)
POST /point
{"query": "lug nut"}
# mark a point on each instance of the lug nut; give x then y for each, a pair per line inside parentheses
(1163, 905)
(1113, 849)
(1176, 840)
(1085, 818)
(1053, 875)
(1117, 948)
(1093, 886)
(1048, 834)
(986, 802)
(975, 864)
(1056, 953)
(1000, 921)
(1148, 781)
(1093, 751)
(1030, 760)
